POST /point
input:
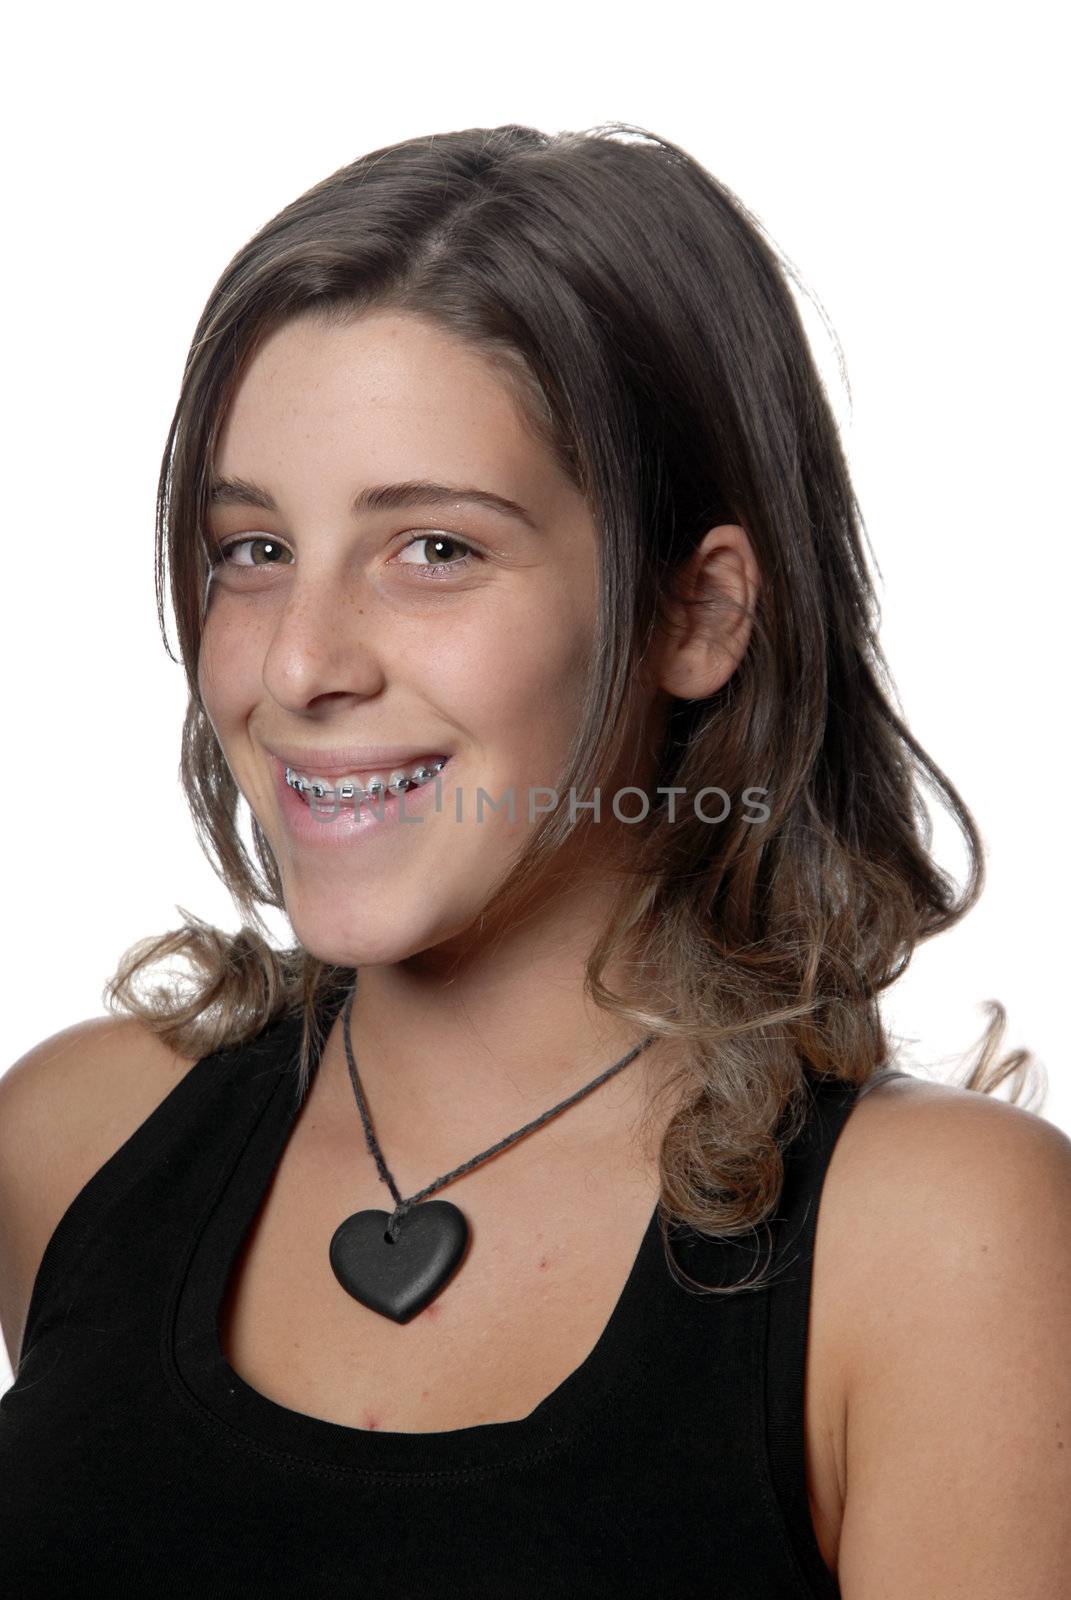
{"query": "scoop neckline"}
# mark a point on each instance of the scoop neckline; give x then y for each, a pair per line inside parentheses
(192, 1346)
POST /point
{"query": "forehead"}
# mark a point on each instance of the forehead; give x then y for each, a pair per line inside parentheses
(387, 394)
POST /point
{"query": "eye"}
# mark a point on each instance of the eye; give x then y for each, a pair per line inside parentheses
(223, 554)
(439, 543)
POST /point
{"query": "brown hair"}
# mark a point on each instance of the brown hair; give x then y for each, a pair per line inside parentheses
(650, 333)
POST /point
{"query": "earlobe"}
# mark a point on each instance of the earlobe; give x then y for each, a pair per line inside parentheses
(710, 614)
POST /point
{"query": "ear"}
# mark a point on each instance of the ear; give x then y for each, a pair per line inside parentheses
(709, 616)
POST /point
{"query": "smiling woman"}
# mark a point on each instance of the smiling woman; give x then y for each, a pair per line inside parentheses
(522, 599)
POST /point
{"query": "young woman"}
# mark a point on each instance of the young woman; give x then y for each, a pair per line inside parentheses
(473, 1244)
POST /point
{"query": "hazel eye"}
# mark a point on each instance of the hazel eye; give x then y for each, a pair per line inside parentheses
(225, 553)
(439, 542)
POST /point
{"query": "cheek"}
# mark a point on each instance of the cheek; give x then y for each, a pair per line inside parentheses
(517, 688)
(226, 666)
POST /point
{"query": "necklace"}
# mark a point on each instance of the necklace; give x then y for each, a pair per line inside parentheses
(397, 1263)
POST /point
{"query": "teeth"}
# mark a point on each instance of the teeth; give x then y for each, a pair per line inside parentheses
(350, 788)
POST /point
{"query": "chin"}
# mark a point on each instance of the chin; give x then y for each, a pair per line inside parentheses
(355, 946)
(348, 939)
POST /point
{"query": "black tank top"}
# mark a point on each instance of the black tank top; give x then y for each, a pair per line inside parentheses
(134, 1461)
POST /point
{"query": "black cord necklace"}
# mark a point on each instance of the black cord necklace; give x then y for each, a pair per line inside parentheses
(395, 1263)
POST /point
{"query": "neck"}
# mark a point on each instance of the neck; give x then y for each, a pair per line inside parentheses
(448, 1067)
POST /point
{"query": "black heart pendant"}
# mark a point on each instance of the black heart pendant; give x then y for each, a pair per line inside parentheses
(399, 1277)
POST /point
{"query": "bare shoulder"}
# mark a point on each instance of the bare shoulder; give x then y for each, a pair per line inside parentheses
(66, 1107)
(950, 1227)
(917, 1159)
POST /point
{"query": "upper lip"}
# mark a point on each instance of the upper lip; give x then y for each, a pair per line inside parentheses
(337, 761)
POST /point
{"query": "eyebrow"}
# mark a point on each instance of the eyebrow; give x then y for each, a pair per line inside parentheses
(381, 497)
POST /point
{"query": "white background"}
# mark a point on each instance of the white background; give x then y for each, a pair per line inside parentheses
(907, 160)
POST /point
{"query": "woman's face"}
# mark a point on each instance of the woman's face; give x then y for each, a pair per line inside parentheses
(330, 626)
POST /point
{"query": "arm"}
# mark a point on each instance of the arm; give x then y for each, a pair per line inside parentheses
(958, 1366)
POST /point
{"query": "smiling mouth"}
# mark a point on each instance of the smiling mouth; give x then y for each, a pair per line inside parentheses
(371, 786)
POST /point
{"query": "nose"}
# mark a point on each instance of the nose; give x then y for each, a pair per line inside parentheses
(323, 642)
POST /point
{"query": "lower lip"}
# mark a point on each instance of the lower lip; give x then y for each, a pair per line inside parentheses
(344, 823)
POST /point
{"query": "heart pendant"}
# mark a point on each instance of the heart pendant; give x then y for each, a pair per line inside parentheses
(399, 1277)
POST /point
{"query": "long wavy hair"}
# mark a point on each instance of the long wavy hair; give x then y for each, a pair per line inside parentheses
(645, 323)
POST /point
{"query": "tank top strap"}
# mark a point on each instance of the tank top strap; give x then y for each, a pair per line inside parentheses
(787, 1307)
(81, 1233)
